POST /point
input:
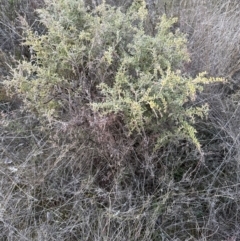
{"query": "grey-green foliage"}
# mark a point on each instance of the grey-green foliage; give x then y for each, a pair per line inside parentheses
(109, 61)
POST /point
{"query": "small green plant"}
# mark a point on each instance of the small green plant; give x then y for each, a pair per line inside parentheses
(107, 61)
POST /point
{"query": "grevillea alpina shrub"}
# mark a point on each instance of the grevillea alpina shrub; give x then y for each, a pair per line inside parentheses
(107, 61)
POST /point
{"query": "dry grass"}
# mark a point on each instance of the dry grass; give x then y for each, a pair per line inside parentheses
(213, 35)
(11, 29)
(58, 186)
(65, 181)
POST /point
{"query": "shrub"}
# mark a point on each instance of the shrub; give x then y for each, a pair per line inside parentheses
(110, 63)
(62, 181)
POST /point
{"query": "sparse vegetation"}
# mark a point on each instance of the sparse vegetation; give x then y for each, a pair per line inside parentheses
(110, 131)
